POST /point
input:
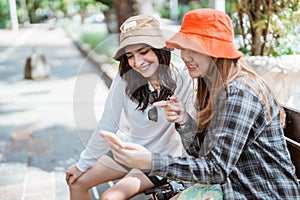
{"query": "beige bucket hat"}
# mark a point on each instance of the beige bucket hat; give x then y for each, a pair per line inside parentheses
(140, 29)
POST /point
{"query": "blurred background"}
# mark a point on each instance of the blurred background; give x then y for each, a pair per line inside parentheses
(56, 67)
(263, 28)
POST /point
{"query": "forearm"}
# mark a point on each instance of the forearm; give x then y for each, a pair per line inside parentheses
(189, 127)
(189, 169)
(109, 122)
(188, 133)
(93, 150)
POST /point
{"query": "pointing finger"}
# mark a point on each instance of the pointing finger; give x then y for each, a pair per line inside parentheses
(160, 103)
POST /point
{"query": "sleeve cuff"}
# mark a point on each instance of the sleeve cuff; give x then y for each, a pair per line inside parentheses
(82, 166)
(188, 127)
(160, 163)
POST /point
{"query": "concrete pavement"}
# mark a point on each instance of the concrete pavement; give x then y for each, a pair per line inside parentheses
(44, 124)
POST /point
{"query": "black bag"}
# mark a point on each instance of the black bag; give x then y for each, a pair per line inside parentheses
(292, 134)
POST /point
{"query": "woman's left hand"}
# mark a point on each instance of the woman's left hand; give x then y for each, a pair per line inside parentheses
(132, 155)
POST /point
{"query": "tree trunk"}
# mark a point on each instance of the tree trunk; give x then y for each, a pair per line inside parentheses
(256, 42)
(128, 8)
(111, 21)
(254, 10)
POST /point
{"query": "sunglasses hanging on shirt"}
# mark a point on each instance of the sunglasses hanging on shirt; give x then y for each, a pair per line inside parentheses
(152, 113)
(164, 94)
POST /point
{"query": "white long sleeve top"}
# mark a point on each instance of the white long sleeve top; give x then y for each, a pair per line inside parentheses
(132, 125)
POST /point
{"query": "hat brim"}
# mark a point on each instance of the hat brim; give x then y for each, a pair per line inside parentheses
(155, 42)
(204, 45)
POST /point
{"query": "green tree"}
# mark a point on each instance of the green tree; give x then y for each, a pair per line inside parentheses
(4, 14)
(261, 23)
(37, 10)
(84, 6)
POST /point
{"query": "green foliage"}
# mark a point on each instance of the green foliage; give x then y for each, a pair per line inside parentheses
(106, 4)
(100, 42)
(96, 39)
(84, 4)
(264, 25)
(244, 50)
(4, 14)
(164, 10)
(37, 10)
(93, 38)
(289, 45)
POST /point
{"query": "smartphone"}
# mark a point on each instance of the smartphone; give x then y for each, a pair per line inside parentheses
(111, 137)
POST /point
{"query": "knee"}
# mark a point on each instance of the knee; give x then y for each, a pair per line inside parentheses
(112, 194)
(107, 195)
(79, 185)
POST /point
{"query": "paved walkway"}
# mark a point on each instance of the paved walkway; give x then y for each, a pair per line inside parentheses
(44, 124)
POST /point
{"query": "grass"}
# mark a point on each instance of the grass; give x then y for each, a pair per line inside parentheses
(96, 37)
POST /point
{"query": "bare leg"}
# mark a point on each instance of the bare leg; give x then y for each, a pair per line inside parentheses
(106, 169)
(133, 183)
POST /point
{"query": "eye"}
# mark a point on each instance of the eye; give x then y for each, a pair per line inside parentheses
(129, 56)
(144, 51)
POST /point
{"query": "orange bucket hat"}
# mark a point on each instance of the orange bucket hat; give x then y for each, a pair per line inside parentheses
(207, 31)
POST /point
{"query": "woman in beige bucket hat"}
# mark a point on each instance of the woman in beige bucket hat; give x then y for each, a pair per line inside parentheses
(236, 141)
(146, 74)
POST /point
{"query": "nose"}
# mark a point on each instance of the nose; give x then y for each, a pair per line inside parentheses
(138, 61)
(185, 55)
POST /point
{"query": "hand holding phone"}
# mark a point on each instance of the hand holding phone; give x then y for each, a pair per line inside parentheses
(111, 138)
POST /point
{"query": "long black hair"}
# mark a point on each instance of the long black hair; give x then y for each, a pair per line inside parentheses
(137, 87)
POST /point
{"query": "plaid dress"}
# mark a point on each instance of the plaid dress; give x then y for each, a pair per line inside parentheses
(242, 150)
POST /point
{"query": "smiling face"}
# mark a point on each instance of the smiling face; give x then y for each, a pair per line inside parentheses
(197, 64)
(143, 60)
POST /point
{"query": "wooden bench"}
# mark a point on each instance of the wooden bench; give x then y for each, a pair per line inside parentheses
(292, 135)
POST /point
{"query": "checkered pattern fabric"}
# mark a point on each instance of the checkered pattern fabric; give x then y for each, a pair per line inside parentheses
(242, 150)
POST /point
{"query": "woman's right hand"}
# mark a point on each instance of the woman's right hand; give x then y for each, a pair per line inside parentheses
(72, 174)
(174, 110)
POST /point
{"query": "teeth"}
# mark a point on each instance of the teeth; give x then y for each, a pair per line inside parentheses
(189, 65)
(143, 68)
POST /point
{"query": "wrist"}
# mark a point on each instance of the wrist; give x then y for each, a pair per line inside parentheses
(81, 168)
(184, 119)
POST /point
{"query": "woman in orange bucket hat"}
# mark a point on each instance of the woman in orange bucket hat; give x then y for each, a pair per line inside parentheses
(236, 141)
